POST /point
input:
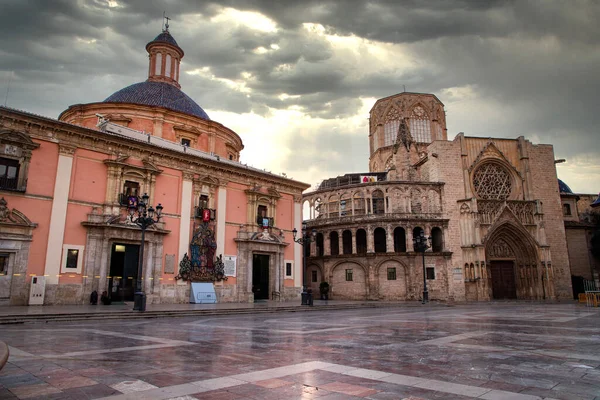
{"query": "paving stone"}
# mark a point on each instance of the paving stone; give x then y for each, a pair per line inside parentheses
(494, 350)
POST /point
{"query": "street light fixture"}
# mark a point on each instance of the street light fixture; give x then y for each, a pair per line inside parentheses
(305, 239)
(143, 216)
(421, 244)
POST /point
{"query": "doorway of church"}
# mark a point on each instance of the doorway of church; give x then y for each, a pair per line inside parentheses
(503, 280)
(260, 276)
(123, 271)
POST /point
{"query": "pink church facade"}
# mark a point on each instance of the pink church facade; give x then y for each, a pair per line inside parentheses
(64, 185)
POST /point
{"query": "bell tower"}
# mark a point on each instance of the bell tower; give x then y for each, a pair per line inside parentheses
(165, 57)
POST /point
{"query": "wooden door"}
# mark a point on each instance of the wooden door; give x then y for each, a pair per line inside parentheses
(503, 280)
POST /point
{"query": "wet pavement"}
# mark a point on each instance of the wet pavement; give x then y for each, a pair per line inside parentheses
(512, 351)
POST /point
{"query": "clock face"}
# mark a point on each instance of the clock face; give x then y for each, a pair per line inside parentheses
(418, 111)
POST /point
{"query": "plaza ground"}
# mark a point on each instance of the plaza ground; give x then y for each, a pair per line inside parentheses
(488, 351)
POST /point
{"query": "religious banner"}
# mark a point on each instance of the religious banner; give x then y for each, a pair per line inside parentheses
(201, 264)
(367, 179)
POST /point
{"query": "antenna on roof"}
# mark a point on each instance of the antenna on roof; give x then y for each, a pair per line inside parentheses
(165, 24)
(404, 88)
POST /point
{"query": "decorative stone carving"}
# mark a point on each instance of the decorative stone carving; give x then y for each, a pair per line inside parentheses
(404, 137)
(492, 182)
(464, 208)
(501, 249)
(66, 150)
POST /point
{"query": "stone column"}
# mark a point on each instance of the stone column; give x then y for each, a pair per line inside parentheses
(104, 259)
(370, 240)
(221, 218)
(58, 215)
(186, 215)
(353, 240)
(409, 239)
(389, 239)
(326, 243)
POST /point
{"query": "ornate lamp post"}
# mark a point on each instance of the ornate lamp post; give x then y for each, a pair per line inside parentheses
(305, 239)
(421, 244)
(142, 217)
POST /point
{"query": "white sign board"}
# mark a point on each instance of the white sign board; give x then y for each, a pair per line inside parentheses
(230, 265)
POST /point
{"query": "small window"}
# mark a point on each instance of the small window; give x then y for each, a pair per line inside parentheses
(391, 273)
(348, 275)
(131, 191)
(288, 269)
(9, 173)
(230, 157)
(4, 263)
(72, 256)
(72, 260)
(566, 209)
(313, 276)
(261, 216)
(186, 142)
(203, 202)
(430, 271)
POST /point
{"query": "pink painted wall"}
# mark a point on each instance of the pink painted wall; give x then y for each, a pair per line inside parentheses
(38, 211)
(42, 169)
(75, 234)
(89, 177)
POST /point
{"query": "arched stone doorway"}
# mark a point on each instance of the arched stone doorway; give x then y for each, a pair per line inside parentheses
(512, 263)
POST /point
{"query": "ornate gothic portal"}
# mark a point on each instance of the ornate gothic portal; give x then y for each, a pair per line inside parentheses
(512, 261)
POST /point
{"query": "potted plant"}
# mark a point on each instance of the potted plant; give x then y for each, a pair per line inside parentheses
(324, 289)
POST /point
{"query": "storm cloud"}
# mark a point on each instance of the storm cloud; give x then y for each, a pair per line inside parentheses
(298, 78)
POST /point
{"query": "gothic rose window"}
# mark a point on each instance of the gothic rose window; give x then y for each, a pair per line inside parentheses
(492, 182)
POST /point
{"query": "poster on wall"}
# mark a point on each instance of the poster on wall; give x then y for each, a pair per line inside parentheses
(230, 265)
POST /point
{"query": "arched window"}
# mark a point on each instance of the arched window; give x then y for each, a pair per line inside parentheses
(437, 240)
(361, 241)
(379, 236)
(347, 242)
(417, 232)
(333, 206)
(334, 243)
(319, 244)
(399, 240)
(359, 204)
(420, 126)
(378, 202)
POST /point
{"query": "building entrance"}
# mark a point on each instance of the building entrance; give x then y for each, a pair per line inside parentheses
(260, 276)
(123, 271)
(503, 280)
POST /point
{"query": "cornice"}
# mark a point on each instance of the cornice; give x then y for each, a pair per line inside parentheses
(47, 129)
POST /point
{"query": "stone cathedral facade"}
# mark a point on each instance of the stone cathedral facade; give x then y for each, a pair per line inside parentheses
(491, 207)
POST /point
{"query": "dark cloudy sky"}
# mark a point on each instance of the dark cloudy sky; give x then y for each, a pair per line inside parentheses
(296, 78)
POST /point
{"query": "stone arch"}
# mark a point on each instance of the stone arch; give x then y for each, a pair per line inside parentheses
(361, 241)
(358, 200)
(313, 266)
(390, 288)
(356, 289)
(334, 243)
(512, 258)
(380, 240)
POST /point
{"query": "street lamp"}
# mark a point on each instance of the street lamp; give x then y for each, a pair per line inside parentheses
(145, 217)
(421, 243)
(305, 239)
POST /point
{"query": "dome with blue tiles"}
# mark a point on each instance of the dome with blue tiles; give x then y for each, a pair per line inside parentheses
(564, 188)
(159, 94)
(165, 37)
